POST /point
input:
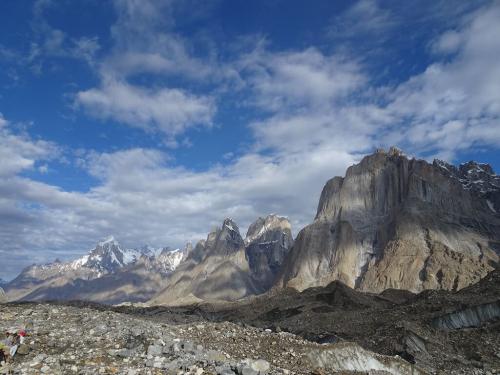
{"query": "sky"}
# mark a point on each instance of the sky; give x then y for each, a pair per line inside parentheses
(153, 120)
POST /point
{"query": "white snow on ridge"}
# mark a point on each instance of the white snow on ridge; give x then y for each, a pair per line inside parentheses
(108, 240)
(229, 226)
(80, 262)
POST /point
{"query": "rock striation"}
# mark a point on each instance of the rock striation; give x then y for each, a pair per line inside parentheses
(395, 222)
(227, 267)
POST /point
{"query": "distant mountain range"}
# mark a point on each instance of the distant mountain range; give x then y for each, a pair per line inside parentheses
(391, 222)
(108, 273)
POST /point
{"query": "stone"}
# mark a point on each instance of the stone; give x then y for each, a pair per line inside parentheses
(155, 350)
(23, 349)
(260, 365)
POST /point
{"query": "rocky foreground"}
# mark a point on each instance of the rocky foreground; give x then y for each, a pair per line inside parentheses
(81, 340)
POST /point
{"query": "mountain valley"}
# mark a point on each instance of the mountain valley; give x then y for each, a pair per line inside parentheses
(398, 273)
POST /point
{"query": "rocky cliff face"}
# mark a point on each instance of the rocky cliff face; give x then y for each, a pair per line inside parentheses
(227, 267)
(394, 222)
(268, 241)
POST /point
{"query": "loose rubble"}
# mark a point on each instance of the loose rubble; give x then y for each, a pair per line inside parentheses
(72, 340)
(65, 339)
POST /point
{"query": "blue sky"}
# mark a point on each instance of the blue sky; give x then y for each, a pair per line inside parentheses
(153, 120)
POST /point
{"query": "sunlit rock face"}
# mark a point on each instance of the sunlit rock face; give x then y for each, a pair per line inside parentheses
(395, 222)
(227, 267)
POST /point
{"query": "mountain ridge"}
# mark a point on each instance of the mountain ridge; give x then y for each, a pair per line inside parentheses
(227, 267)
(107, 263)
(392, 222)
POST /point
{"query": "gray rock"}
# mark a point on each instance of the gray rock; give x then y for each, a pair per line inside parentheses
(155, 350)
(253, 367)
(388, 209)
(226, 267)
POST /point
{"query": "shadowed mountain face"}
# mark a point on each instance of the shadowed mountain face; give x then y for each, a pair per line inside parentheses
(108, 274)
(394, 222)
(226, 267)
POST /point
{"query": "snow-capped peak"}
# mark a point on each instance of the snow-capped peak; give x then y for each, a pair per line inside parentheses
(477, 177)
(109, 257)
(264, 225)
(108, 240)
(229, 224)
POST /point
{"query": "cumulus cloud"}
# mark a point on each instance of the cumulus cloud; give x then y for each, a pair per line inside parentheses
(144, 43)
(317, 112)
(294, 79)
(169, 111)
(455, 104)
(19, 152)
(452, 106)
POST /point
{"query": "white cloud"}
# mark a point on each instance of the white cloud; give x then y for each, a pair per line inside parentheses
(294, 79)
(50, 42)
(143, 43)
(169, 111)
(455, 105)
(447, 43)
(18, 152)
(361, 18)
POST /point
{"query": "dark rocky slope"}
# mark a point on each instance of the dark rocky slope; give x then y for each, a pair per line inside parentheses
(440, 331)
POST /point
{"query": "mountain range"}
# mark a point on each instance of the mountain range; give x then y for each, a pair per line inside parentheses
(108, 273)
(227, 267)
(390, 222)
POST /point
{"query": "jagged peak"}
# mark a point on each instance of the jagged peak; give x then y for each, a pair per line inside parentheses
(265, 224)
(109, 240)
(475, 167)
(393, 151)
(230, 224)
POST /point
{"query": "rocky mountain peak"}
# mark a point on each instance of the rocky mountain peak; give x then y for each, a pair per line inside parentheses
(478, 178)
(267, 242)
(108, 241)
(108, 256)
(389, 208)
(261, 229)
(227, 239)
(230, 224)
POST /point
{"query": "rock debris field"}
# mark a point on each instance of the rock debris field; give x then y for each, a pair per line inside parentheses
(80, 340)
(65, 340)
